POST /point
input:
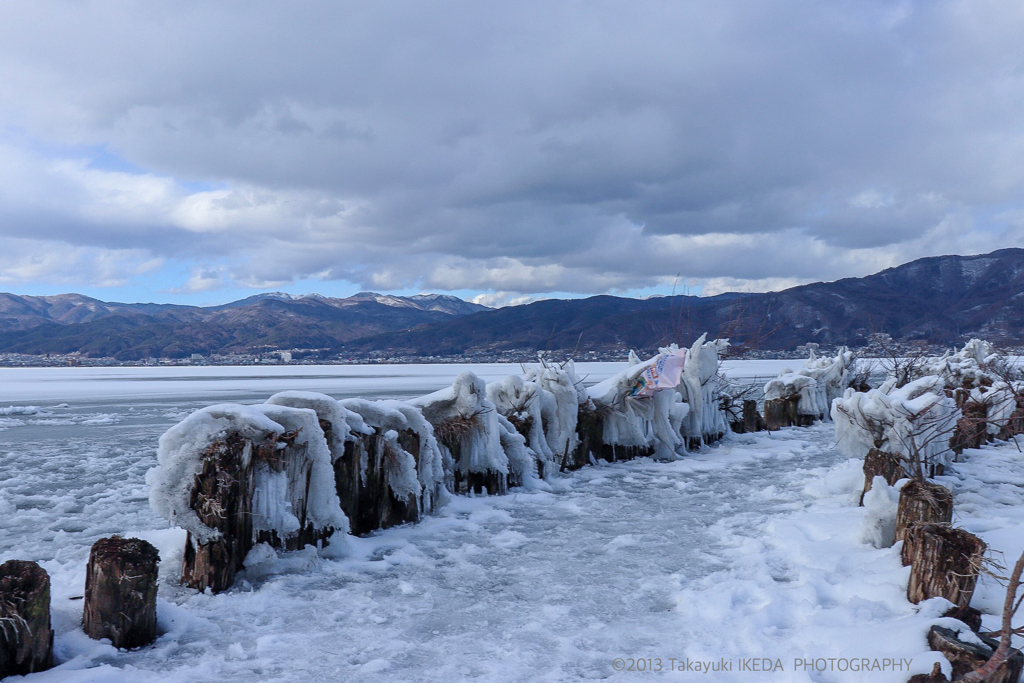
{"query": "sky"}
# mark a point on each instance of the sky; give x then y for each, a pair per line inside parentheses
(200, 152)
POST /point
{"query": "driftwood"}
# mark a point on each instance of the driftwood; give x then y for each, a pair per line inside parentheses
(922, 501)
(944, 562)
(967, 657)
(365, 492)
(26, 640)
(120, 592)
(881, 464)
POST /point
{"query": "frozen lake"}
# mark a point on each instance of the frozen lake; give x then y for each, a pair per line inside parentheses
(641, 559)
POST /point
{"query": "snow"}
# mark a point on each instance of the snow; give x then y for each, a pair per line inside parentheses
(753, 547)
(819, 382)
(915, 421)
(481, 449)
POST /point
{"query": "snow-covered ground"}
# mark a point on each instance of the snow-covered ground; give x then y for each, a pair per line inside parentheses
(750, 550)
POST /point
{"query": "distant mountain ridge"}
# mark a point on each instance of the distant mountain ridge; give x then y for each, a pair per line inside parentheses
(941, 300)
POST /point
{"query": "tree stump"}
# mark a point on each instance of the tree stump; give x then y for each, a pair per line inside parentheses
(590, 430)
(881, 464)
(936, 676)
(943, 561)
(26, 640)
(120, 592)
(971, 429)
(922, 501)
(360, 478)
(967, 657)
(752, 420)
(222, 498)
(780, 412)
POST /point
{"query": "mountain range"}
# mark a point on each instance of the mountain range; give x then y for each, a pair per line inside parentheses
(941, 300)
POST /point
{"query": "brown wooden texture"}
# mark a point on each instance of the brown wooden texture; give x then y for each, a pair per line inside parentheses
(222, 497)
(879, 463)
(971, 429)
(944, 562)
(780, 412)
(120, 592)
(360, 478)
(589, 429)
(26, 640)
(752, 420)
(922, 501)
(967, 657)
(936, 676)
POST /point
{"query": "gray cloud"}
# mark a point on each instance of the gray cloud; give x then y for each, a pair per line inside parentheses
(520, 148)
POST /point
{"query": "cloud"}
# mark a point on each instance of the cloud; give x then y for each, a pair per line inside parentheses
(517, 149)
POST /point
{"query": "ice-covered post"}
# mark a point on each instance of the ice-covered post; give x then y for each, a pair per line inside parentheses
(26, 640)
(120, 592)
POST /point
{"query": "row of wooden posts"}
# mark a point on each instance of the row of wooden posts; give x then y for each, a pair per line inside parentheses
(944, 561)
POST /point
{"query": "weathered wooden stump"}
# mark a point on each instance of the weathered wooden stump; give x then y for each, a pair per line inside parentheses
(944, 562)
(879, 463)
(456, 435)
(360, 478)
(967, 657)
(590, 430)
(1015, 424)
(752, 420)
(26, 640)
(936, 676)
(971, 429)
(780, 412)
(922, 501)
(120, 592)
(222, 498)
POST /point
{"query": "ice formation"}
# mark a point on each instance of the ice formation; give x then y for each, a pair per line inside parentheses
(180, 459)
(543, 405)
(463, 419)
(662, 420)
(421, 474)
(817, 383)
(915, 421)
(700, 388)
(304, 484)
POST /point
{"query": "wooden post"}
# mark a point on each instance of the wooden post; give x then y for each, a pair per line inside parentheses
(966, 657)
(360, 479)
(222, 497)
(944, 562)
(922, 501)
(120, 592)
(752, 420)
(26, 640)
(879, 463)
(780, 412)
(589, 429)
(971, 429)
